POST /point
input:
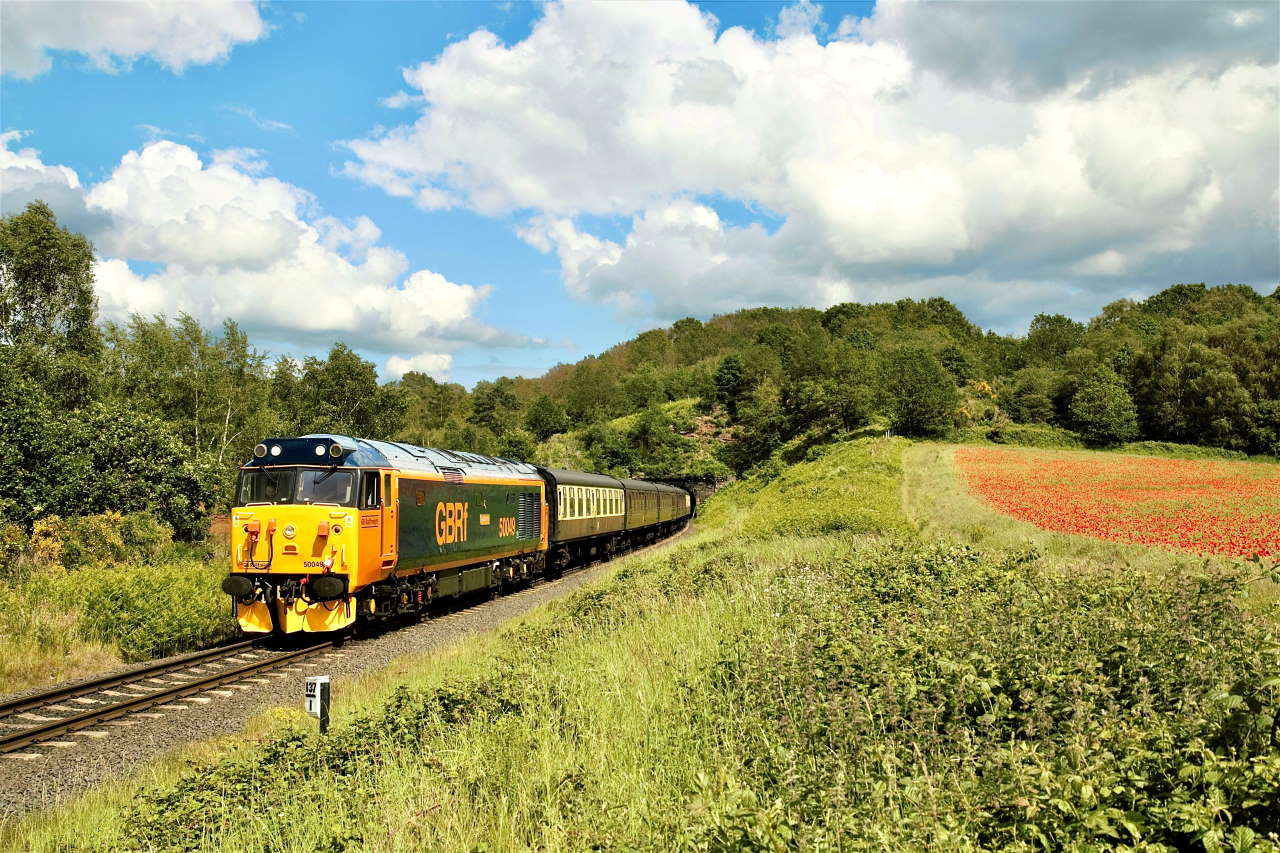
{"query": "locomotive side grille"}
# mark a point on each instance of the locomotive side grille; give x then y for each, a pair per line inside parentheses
(529, 517)
(451, 475)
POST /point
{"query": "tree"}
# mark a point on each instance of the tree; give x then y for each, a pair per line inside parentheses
(341, 395)
(105, 457)
(1050, 337)
(643, 388)
(1187, 391)
(46, 283)
(1031, 395)
(1102, 410)
(516, 444)
(731, 382)
(495, 406)
(546, 417)
(923, 394)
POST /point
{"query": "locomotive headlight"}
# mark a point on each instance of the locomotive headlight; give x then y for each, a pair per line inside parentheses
(289, 531)
(260, 451)
(275, 450)
(319, 450)
(335, 450)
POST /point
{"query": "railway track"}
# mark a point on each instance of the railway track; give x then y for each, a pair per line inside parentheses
(37, 719)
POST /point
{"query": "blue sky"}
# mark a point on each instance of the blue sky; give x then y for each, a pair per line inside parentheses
(552, 179)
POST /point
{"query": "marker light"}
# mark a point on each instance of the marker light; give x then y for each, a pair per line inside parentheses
(260, 451)
(335, 450)
(275, 450)
(319, 450)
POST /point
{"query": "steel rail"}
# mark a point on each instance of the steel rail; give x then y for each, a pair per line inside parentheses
(27, 737)
(95, 685)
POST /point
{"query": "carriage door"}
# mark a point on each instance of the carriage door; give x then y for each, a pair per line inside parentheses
(388, 522)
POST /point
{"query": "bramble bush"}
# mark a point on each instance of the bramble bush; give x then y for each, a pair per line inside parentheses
(936, 697)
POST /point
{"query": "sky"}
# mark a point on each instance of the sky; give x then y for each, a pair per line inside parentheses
(471, 190)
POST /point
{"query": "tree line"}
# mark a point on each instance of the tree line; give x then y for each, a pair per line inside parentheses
(158, 412)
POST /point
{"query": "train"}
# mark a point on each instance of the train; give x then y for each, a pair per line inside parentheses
(330, 531)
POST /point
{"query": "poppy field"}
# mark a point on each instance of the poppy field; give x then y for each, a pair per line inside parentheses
(1207, 507)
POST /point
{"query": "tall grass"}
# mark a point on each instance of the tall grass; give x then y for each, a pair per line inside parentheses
(121, 602)
(781, 680)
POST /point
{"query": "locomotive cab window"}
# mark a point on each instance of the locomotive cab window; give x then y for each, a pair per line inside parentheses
(296, 486)
(369, 490)
(316, 486)
(266, 486)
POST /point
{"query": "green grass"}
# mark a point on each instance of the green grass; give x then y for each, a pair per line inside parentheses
(58, 624)
(802, 673)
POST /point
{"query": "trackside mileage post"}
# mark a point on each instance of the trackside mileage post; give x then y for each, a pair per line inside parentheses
(315, 699)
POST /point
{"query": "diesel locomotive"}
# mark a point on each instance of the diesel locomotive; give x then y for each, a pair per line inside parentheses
(330, 529)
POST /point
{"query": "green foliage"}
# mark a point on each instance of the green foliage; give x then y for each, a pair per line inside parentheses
(1033, 435)
(46, 283)
(207, 388)
(923, 393)
(516, 444)
(1050, 337)
(1102, 410)
(494, 406)
(341, 395)
(1181, 451)
(949, 699)
(731, 383)
(107, 457)
(546, 417)
(154, 610)
(1190, 391)
(852, 488)
(126, 461)
(1035, 395)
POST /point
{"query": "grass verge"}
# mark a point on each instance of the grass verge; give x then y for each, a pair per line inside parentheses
(58, 624)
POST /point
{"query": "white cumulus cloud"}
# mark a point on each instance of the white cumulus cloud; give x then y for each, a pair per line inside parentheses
(228, 240)
(113, 35)
(1031, 155)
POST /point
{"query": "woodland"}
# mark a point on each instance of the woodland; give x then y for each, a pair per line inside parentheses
(156, 414)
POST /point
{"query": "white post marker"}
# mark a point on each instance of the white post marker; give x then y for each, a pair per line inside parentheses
(315, 699)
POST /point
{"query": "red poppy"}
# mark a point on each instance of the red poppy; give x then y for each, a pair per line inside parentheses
(1209, 507)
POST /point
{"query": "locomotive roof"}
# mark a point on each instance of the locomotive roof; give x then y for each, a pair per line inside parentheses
(369, 453)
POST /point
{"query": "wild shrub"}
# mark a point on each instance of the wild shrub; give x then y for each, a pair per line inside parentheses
(150, 611)
(942, 698)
